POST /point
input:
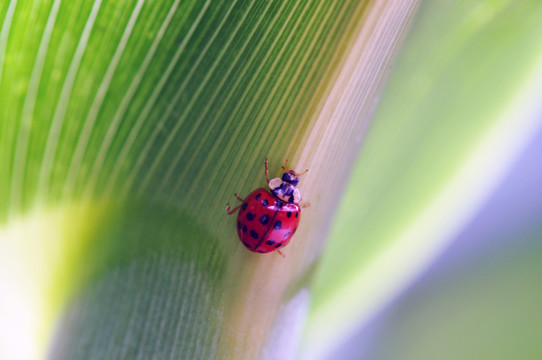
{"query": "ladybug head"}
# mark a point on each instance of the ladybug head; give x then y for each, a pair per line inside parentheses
(290, 177)
(285, 188)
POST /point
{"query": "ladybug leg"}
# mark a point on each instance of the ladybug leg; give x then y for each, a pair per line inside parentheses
(281, 254)
(229, 210)
(266, 171)
(305, 205)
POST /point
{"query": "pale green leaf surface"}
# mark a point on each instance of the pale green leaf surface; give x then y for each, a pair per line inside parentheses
(484, 303)
(462, 102)
(125, 128)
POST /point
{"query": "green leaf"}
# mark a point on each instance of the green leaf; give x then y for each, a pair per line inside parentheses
(461, 104)
(126, 128)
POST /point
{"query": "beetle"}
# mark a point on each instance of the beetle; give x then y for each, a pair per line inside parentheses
(268, 219)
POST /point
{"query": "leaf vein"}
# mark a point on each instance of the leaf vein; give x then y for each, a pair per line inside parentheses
(88, 126)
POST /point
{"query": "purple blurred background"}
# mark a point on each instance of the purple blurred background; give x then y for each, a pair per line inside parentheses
(482, 298)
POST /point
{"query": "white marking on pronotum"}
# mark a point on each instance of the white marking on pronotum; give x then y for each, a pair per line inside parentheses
(275, 183)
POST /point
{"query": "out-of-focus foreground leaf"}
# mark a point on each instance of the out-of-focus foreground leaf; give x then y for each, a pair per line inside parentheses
(125, 128)
(462, 102)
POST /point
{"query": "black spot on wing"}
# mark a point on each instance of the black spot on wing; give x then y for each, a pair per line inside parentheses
(296, 214)
(270, 242)
(254, 234)
(250, 216)
(278, 245)
(245, 228)
(258, 196)
(239, 224)
(278, 225)
(244, 206)
(293, 232)
(265, 202)
(286, 234)
(289, 214)
(264, 219)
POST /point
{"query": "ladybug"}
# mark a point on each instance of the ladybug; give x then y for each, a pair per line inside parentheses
(267, 220)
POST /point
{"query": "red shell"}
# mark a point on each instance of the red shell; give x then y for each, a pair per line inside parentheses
(265, 223)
